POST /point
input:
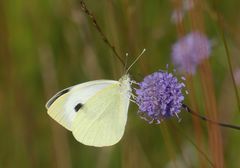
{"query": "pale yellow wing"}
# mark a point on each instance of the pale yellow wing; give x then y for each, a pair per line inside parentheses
(63, 106)
(101, 121)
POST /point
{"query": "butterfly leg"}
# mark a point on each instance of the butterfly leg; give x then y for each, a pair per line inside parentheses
(134, 82)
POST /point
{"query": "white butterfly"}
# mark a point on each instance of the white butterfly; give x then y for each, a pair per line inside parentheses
(95, 111)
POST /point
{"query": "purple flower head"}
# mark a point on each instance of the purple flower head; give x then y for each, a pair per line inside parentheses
(189, 51)
(159, 96)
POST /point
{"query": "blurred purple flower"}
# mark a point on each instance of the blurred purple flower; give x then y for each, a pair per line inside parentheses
(179, 13)
(159, 96)
(177, 16)
(189, 51)
(237, 76)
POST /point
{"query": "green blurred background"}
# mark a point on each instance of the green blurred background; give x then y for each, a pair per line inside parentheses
(48, 45)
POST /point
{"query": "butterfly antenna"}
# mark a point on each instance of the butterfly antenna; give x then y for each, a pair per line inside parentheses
(135, 60)
(126, 58)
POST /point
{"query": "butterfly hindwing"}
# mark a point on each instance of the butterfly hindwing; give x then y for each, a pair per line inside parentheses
(64, 106)
(101, 121)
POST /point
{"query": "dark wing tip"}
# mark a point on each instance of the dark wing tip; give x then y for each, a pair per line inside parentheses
(56, 96)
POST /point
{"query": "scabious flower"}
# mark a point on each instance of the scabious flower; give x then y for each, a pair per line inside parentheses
(159, 96)
(190, 51)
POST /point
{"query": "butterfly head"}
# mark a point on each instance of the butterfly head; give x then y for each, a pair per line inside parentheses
(125, 83)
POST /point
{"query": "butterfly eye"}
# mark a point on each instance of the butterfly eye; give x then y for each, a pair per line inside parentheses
(78, 106)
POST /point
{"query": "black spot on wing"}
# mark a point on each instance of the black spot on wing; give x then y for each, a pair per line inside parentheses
(78, 106)
(54, 98)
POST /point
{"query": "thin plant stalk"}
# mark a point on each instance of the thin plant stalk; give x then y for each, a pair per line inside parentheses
(96, 25)
(215, 137)
(197, 128)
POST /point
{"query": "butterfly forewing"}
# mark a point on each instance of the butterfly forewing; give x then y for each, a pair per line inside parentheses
(64, 106)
